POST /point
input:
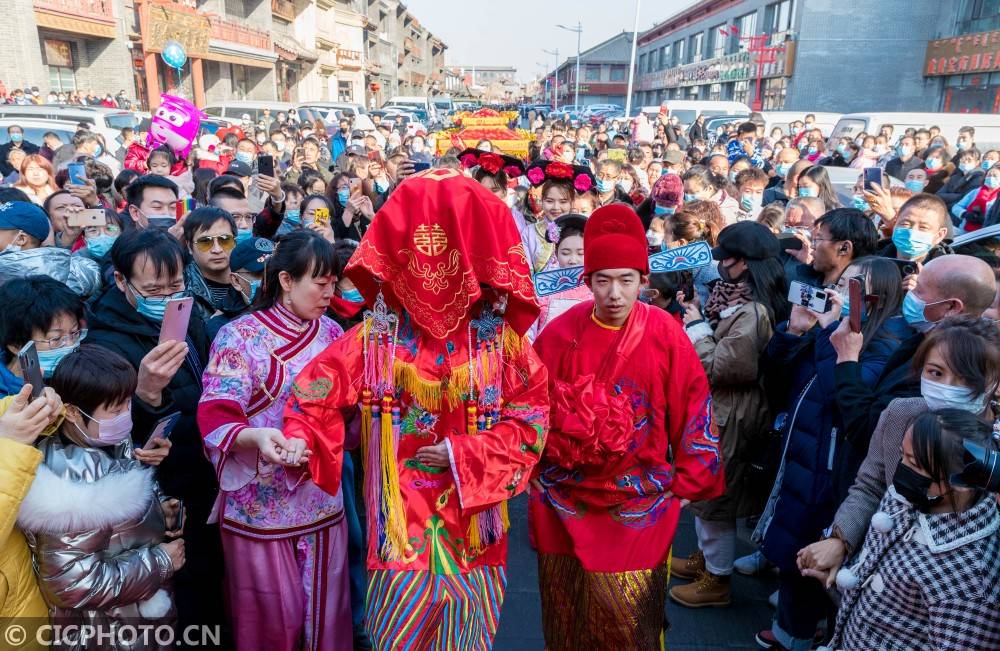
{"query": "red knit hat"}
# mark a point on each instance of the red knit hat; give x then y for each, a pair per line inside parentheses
(614, 239)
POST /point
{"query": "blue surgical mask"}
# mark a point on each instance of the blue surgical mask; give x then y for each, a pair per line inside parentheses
(254, 286)
(967, 167)
(912, 244)
(781, 169)
(352, 296)
(153, 307)
(845, 310)
(243, 234)
(903, 151)
(49, 359)
(812, 150)
(841, 149)
(100, 245)
(750, 201)
(914, 185)
(962, 145)
(688, 198)
(933, 164)
(98, 150)
(605, 186)
(858, 203)
(913, 312)
(16, 137)
(293, 216)
(663, 211)
(986, 165)
(732, 176)
(343, 194)
(244, 157)
(381, 186)
(808, 192)
(992, 182)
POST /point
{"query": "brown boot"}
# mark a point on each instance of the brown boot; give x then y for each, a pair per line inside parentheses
(689, 568)
(708, 590)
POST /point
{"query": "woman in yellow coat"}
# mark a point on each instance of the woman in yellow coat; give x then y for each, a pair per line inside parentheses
(21, 422)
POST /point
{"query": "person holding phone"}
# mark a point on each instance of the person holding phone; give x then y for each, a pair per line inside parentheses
(104, 544)
(803, 362)
(126, 319)
(352, 209)
(277, 529)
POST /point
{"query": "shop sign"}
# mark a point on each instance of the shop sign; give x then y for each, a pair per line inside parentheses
(164, 24)
(350, 59)
(740, 66)
(979, 52)
(58, 53)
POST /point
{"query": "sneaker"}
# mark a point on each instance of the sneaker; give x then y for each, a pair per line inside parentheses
(766, 640)
(772, 600)
(752, 564)
(708, 590)
(689, 568)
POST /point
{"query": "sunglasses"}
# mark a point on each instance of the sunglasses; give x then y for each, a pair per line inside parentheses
(207, 242)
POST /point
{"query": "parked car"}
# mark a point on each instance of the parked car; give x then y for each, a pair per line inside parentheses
(34, 130)
(106, 121)
(235, 110)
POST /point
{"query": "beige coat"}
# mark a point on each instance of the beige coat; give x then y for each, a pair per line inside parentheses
(730, 357)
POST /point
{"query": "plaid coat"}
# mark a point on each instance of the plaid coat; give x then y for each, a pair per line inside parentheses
(931, 582)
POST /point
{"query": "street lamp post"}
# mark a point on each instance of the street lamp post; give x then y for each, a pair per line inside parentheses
(579, 32)
(631, 65)
(555, 78)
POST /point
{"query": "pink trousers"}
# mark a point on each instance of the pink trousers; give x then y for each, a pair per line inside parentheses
(290, 594)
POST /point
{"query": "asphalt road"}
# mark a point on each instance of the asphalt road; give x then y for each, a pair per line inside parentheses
(691, 629)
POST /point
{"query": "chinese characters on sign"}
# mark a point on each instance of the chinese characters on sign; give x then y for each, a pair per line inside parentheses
(350, 59)
(963, 54)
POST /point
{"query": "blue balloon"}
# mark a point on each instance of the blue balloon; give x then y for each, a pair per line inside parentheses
(174, 55)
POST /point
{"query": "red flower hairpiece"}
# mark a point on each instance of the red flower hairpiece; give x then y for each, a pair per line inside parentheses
(469, 160)
(558, 170)
(490, 162)
(512, 171)
(582, 183)
(536, 175)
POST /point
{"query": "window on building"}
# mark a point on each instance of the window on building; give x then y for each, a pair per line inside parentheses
(237, 9)
(979, 16)
(664, 57)
(652, 62)
(778, 17)
(61, 80)
(240, 80)
(59, 59)
(715, 92)
(774, 93)
(619, 73)
(697, 50)
(717, 41)
(746, 26)
(741, 91)
(345, 91)
(679, 53)
(593, 73)
(642, 62)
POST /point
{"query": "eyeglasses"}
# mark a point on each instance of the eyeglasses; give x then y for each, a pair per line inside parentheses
(97, 231)
(207, 242)
(68, 339)
(245, 218)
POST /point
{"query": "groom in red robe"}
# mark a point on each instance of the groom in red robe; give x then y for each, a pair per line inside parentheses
(631, 436)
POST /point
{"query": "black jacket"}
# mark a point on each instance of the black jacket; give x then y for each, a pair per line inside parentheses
(896, 168)
(5, 167)
(697, 132)
(960, 184)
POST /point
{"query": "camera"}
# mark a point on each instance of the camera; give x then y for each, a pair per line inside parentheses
(981, 468)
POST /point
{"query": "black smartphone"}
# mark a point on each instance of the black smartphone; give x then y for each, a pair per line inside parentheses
(420, 167)
(906, 267)
(872, 175)
(31, 370)
(179, 526)
(265, 165)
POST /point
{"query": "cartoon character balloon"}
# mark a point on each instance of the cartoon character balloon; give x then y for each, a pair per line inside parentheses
(175, 124)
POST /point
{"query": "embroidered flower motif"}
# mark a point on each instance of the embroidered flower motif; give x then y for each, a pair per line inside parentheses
(582, 183)
(490, 162)
(536, 175)
(557, 170)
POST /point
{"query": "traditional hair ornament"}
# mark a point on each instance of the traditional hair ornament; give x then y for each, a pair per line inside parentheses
(380, 423)
(491, 162)
(579, 176)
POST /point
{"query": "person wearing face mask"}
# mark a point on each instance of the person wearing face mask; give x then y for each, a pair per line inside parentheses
(608, 174)
(15, 140)
(971, 212)
(959, 369)
(920, 230)
(729, 336)
(41, 310)
(928, 567)
(750, 184)
(947, 286)
(664, 200)
(702, 185)
(267, 518)
(105, 542)
(23, 229)
(905, 159)
(779, 187)
(939, 170)
(246, 272)
(148, 272)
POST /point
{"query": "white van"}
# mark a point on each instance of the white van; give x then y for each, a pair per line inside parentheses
(420, 102)
(687, 110)
(106, 121)
(233, 111)
(987, 126)
(825, 122)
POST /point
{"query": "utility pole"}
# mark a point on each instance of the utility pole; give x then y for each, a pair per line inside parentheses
(631, 65)
(579, 32)
(555, 78)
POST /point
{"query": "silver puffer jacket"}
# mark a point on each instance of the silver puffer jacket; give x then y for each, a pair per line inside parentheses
(80, 274)
(93, 521)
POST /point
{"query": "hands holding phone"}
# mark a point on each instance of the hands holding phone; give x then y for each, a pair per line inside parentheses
(26, 419)
(154, 452)
(157, 369)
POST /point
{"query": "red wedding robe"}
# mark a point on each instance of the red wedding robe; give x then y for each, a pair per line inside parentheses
(615, 504)
(491, 466)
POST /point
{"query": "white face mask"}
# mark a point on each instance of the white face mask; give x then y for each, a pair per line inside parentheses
(947, 396)
(626, 185)
(654, 238)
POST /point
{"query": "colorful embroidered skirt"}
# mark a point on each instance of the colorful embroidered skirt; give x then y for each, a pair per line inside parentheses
(417, 611)
(623, 611)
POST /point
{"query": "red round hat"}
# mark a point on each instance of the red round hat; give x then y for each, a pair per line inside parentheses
(614, 239)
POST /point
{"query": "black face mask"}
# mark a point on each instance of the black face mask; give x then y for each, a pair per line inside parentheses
(913, 486)
(726, 277)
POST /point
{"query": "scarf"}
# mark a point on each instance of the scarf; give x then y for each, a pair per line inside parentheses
(725, 295)
(982, 201)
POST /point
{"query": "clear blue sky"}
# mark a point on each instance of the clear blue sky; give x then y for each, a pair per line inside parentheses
(514, 32)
